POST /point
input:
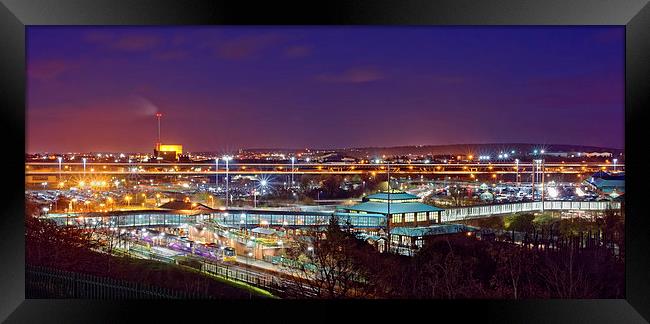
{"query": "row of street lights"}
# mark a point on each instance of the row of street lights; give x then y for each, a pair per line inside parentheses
(263, 182)
(60, 159)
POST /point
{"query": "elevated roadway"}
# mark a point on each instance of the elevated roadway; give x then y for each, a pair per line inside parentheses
(207, 169)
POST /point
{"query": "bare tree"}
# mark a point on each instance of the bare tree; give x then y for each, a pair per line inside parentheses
(45, 240)
(512, 264)
(328, 265)
(564, 277)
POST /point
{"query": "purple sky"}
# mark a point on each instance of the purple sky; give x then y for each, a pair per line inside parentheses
(224, 88)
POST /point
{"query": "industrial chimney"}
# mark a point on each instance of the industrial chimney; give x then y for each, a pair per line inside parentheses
(158, 115)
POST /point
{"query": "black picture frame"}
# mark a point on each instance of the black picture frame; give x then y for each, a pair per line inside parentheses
(15, 15)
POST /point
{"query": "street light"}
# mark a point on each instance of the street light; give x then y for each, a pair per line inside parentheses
(60, 159)
(216, 172)
(517, 166)
(84, 161)
(293, 160)
(227, 159)
(263, 184)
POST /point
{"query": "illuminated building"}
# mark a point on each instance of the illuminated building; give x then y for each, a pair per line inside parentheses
(409, 240)
(168, 152)
(405, 209)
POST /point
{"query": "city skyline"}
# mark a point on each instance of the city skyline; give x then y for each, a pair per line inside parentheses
(97, 89)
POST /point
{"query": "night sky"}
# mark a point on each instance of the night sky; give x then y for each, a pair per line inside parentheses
(224, 88)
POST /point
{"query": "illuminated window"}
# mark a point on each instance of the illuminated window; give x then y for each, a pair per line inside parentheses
(395, 239)
(409, 217)
(397, 218)
(422, 216)
(406, 240)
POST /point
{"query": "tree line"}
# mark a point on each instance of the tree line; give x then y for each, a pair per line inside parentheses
(575, 264)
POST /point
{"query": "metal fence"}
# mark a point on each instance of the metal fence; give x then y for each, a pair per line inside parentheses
(252, 278)
(43, 282)
(256, 279)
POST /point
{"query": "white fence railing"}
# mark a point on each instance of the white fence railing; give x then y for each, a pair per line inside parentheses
(460, 213)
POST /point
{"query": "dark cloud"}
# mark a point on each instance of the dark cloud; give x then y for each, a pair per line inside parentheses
(126, 42)
(99, 36)
(171, 55)
(178, 39)
(135, 43)
(352, 75)
(585, 89)
(297, 51)
(246, 46)
(48, 69)
(609, 36)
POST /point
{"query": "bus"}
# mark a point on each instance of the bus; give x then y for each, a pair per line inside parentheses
(229, 254)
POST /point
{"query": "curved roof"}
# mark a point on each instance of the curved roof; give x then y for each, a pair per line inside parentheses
(393, 196)
(182, 205)
(600, 174)
(486, 195)
(395, 208)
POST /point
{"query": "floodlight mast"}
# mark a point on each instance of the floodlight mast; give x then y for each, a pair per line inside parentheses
(388, 207)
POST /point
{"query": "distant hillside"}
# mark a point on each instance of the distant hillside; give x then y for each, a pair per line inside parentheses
(451, 149)
(477, 149)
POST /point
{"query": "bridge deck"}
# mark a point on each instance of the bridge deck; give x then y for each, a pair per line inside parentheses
(297, 219)
(461, 213)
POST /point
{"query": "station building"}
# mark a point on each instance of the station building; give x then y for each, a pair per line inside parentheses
(400, 208)
(409, 240)
(411, 222)
(398, 221)
(168, 152)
